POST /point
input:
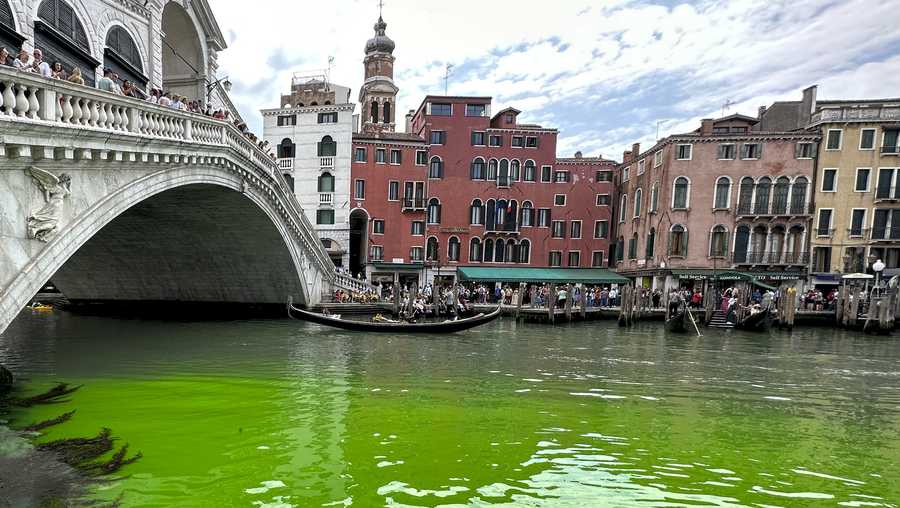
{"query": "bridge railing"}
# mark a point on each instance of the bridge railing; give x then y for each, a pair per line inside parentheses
(30, 98)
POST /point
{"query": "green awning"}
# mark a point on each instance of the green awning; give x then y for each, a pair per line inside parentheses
(764, 286)
(554, 275)
(398, 266)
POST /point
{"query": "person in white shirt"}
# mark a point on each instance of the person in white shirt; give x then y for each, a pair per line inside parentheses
(165, 100)
(40, 66)
(23, 63)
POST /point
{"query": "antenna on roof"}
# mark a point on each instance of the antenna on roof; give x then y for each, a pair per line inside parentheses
(328, 71)
(726, 106)
(447, 76)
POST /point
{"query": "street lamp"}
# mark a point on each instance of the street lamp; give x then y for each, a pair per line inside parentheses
(878, 267)
(225, 82)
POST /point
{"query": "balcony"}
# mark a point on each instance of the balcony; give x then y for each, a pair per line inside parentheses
(852, 114)
(326, 199)
(859, 233)
(412, 204)
(890, 150)
(286, 164)
(777, 209)
(773, 258)
(326, 162)
(885, 234)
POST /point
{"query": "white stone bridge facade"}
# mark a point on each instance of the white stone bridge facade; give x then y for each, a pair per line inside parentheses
(116, 199)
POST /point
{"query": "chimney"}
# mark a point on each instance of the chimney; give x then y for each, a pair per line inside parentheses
(809, 99)
(762, 111)
(635, 150)
(706, 126)
(578, 154)
(409, 117)
(626, 157)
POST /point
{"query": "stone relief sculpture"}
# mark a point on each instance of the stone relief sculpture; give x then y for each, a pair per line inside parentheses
(42, 223)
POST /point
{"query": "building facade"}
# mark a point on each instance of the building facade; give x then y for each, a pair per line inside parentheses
(725, 197)
(312, 135)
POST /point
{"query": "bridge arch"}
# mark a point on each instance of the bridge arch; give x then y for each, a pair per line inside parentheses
(100, 238)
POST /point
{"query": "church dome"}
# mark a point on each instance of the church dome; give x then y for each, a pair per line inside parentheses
(380, 42)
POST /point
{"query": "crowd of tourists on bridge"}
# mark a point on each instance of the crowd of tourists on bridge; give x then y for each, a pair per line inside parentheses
(33, 62)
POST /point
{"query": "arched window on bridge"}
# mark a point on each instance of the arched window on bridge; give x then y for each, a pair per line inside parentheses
(60, 35)
(286, 149)
(327, 147)
(9, 38)
(122, 56)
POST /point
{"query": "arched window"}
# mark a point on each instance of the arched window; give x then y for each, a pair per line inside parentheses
(476, 213)
(434, 211)
(431, 249)
(510, 215)
(798, 196)
(512, 252)
(651, 244)
(632, 246)
(475, 250)
(499, 251)
(623, 206)
(327, 147)
(300, 105)
(638, 199)
(501, 213)
(387, 113)
(286, 149)
(745, 198)
(525, 251)
(374, 114)
(529, 175)
(780, 196)
(490, 215)
(477, 172)
(761, 207)
(718, 241)
(488, 251)
(436, 168)
(515, 173)
(313, 103)
(654, 197)
(527, 219)
(453, 249)
(122, 56)
(681, 195)
(328, 103)
(61, 36)
(492, 170)
(326, 182)
(759, 240)
(741, 243)
(620, 248)
(503, 176)
(723, 193)
(678, 241)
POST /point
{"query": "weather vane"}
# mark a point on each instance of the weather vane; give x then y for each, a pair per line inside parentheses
(380, 7)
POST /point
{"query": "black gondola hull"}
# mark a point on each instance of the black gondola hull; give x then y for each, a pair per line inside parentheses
(759, 322)
(678, 323)
(365, 326)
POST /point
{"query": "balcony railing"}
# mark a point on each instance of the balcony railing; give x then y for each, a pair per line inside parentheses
(853, 114)
(881, 234)
(285, 163)
(770, 258)
(890, 150)
(860, 232)
(413, 203)
(326, 198)
(326, 162)
(776, 209)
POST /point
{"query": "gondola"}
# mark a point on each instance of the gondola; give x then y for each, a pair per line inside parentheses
(394, 327)
(759, 322)
(679, 322)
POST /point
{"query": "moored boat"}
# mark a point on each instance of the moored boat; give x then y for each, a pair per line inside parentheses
(385, 325)
(758, 322)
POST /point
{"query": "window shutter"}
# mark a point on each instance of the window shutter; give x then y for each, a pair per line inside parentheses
(472, 171)
(759, 150)
(797, 149)
(744, 150)
(669, 243)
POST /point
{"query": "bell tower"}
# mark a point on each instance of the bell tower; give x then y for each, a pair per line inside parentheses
(378, 94)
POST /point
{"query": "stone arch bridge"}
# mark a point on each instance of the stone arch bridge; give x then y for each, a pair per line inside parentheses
(115, 199)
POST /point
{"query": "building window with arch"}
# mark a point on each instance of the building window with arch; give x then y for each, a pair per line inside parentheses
(374, 113)
(678, 241)
(499, 251)
(525, 251)
(620, 248)
(477, 172)
(503, 175)
(718, 242)
(476, 213)
(681, 195)
(798, 195)
(780, 195)
(453, 249)
(327, 147)
(761, 206)
(651, 244)
(527, 219)
(632, 246)
(286, 149)
(436, 168)
(326, 183)
(475, 250)
(745, 196)
(529, 173)
(723, 193)
(488, 251)
(122, 56)
(623, 206)
(60, 35)
(491, 170)
(515, 173)
(512, 252)
(431, 249)
(433, 215)
(654, 197)
(387, 113)
(638, 199)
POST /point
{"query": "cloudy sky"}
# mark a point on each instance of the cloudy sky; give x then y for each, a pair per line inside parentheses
(606, 73)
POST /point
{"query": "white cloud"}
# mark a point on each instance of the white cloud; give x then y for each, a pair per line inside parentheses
(603, 72)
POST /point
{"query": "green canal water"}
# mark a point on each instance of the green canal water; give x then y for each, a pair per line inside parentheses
(286, 414)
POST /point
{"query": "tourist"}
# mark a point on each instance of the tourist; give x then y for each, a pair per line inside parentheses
(23, 62)
(561, 296)
(76, 76)
(165, 100)
(128, 89)
(117, 89)
(613, 297)
(4, 57)
(767, 299)
(58, 72)
(40, 66)
(105, 83)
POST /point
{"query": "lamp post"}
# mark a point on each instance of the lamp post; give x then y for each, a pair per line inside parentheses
(878, 267)
(226, 84)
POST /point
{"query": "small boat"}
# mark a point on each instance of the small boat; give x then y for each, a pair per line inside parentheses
(40, 307)
(448, 326)
(679, 318)
(759, 322)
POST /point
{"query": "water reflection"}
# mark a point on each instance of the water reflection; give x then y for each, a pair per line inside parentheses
(280, 413)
